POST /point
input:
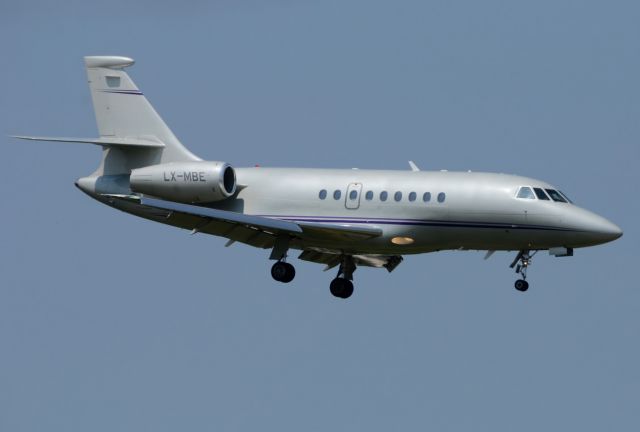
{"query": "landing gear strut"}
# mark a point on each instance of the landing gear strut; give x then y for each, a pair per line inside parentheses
(341, 286)
(521, 264)
(283, 272)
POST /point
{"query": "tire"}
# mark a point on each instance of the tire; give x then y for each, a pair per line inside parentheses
(336, 287)
(341, 288)
(521, 285)
(347, 289)
(279, 271)
(290, 273)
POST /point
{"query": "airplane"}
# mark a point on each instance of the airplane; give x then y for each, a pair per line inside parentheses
(342, 218)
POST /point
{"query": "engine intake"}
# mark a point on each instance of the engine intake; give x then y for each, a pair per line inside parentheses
(187, 182)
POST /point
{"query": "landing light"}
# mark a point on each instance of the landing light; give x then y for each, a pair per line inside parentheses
(402, 240)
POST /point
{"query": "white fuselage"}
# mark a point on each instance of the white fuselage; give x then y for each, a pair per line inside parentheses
(465, 210)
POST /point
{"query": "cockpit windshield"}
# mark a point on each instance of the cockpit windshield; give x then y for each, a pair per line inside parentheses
(540, 194)
(529, 192)
(555, 195)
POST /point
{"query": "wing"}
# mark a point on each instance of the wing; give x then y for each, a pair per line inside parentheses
(256, 231)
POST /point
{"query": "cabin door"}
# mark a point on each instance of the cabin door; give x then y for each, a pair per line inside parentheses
(352, 200)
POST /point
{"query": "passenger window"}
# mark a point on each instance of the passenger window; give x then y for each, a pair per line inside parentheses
(412, 196)
(555, 195)
(323, 194)
(383, 195)
(426, 197)
(353, 195)
(441, 197)
(526, 193)
(337, 194)
(397, 196)
(369, 195)
(540, 194)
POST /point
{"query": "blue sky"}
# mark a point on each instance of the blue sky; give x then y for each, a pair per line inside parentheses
(112, 323)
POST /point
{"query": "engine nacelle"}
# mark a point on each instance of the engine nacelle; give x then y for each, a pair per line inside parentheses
(187, 182)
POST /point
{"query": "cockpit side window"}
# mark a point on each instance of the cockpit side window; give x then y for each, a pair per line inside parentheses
(564, 195)
(526, 193)
(555, 195)
(540, 194)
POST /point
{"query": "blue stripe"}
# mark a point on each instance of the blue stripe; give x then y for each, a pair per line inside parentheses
(418, 222)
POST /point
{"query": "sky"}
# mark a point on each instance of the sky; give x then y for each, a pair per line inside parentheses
(113, 323)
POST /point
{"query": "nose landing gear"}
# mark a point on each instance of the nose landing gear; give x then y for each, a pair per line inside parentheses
(521, 285)
(521, 264)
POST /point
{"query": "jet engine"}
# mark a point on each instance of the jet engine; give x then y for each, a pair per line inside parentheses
(186, 182)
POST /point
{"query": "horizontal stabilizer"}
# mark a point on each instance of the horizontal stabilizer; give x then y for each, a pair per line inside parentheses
(103, 141)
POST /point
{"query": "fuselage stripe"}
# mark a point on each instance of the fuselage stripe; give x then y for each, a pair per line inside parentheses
(418, 222)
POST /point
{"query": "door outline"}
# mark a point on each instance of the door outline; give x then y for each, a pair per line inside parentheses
(355, 203)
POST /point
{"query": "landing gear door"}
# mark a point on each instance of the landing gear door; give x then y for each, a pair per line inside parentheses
(352, 200)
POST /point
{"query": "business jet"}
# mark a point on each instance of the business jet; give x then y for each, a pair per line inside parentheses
(336, 217)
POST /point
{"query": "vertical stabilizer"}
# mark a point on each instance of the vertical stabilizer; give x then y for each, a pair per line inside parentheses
(123, 112)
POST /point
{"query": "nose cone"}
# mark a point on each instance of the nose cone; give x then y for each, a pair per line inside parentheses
(595, 228)
(606, 231)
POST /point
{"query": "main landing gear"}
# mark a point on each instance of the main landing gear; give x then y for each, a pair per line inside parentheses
(283, 272)
(521, 264)
(341, 288)
(342, 285)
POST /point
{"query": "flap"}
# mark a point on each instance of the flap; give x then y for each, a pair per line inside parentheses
(390, 262)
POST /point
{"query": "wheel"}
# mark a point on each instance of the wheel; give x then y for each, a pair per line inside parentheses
(521, 285)
(290, 273)
(337, 287)
(283, 272)
(348, 289)
(341, 288)
(334, 287)
(279, 271)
